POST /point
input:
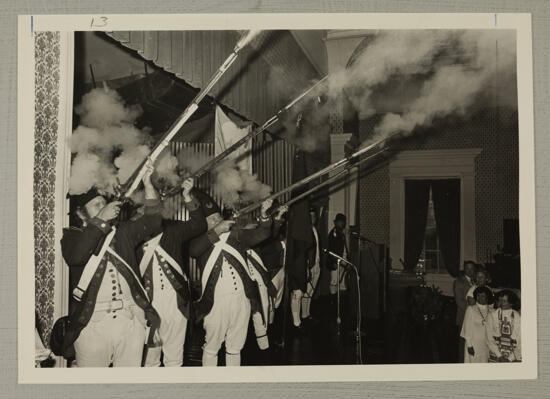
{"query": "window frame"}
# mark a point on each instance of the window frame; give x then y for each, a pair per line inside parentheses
(436, 165)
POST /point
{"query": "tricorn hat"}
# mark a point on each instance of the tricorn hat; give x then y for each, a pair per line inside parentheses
(340, 216)
(80, 200)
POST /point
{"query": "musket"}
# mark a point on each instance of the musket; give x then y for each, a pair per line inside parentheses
(341, 173)
(134, 180)
(267, 124)
(346, 171)
(341, 163)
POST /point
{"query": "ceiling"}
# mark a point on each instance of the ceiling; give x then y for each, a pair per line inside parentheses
(312, 43)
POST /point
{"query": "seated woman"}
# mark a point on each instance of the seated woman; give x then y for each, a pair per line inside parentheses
(504, 330)
(481, 279)
(473, 329)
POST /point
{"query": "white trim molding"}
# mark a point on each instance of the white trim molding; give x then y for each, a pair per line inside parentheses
(342, 200)
(433, 164)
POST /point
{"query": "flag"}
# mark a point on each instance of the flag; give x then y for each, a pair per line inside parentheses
(227, 132)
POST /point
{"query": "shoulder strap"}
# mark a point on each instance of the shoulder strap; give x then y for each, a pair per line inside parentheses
(148, 251)
(91, 267)
(175, 265)
(133, 273)
(212, 258)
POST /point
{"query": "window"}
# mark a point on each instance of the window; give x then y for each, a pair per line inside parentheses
(432, 225)
(431, 252)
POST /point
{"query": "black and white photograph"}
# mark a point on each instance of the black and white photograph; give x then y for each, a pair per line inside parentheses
(236, 202)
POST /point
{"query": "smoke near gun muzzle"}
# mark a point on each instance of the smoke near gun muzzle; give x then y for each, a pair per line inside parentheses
(190, 160)
(247, 37)
(450, 69)
(106, 146)
(237, 186)
(454, 88)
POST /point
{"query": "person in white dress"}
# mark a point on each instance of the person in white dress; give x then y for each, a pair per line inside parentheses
(473, 331)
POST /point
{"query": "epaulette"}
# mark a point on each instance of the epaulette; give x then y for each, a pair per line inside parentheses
(73, 228)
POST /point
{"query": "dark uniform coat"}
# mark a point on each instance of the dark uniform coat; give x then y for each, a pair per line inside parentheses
(79, 244)
(337, 244)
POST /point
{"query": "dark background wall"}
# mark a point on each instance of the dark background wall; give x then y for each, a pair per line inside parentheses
(495, 131)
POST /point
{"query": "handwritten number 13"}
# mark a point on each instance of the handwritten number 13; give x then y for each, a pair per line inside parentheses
(102, 21)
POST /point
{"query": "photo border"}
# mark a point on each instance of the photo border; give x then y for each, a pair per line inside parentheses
(28, 25)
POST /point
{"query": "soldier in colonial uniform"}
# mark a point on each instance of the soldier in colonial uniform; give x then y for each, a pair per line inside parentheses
(230, 295)
(304, 276)
(271, 253)
(314, 268)
(112, 313)
(337, 243)
(167, 283)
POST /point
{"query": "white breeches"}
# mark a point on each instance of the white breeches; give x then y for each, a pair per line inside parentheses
(173, 326)
(115, 337)
(227, 321)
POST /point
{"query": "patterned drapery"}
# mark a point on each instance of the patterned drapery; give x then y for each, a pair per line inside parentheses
(47, 67)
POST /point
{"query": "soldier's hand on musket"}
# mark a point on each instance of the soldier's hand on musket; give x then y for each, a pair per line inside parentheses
(265, 206)
(109, 211)
(224, 226)
(150, 191)
(187, 187)
(149, 169)
(281, 211)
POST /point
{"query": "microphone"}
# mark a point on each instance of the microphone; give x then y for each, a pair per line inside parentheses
(336, 256)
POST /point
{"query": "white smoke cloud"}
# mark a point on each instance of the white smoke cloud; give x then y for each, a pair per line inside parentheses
(89, 170)
(104, 107)
(107, 146)
(166, 169)
(190, 160)
(129, 160)
(453, 88)
(455, 69)
(237, 186)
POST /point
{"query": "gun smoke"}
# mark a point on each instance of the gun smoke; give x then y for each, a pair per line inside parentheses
(106, 146)
(236, 186)
(453, 69)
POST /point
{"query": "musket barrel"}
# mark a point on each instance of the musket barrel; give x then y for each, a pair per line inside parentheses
(267, 124)
(311, 177)
(332, 179)
(184, 117)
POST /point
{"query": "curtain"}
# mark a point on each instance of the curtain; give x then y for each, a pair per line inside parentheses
(417, 195)
(53, 105)
(446, 199)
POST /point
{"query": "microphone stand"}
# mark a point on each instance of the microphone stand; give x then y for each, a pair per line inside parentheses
(339, 261)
